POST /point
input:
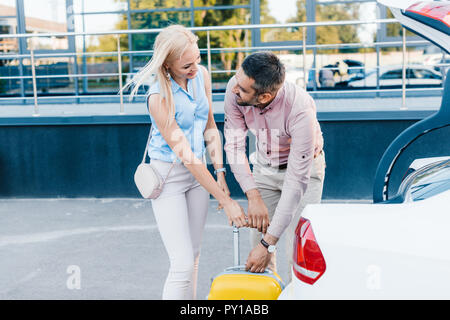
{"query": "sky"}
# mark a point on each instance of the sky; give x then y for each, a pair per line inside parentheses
(282, 12)
(53, 10)
(367, 12)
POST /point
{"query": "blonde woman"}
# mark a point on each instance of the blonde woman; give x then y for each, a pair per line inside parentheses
(180, 107)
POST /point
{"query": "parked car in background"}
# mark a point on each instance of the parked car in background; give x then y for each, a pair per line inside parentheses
(355, 69)
(392, 76)
(439, 63)
(339, 73)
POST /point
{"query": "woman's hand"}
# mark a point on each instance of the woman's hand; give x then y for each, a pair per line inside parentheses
(235, 213)
(232, 208)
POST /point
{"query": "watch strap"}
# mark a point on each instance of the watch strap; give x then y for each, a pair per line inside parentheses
(220, 170)
(265, 244)
(270, 248)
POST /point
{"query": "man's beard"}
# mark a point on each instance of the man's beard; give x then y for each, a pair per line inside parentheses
(243, 103)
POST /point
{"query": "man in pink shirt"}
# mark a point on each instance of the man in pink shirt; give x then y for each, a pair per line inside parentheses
(288, 164)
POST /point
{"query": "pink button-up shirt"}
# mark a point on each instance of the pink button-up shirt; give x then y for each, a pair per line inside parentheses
(287, 131)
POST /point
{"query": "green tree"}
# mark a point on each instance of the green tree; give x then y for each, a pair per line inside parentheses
(226, 38)
(153, 20)
(227, 59)
(324, 35)
(395, 29)
(148, 20)
(337, 34)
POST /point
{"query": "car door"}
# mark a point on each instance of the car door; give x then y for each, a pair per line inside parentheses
(391, 78)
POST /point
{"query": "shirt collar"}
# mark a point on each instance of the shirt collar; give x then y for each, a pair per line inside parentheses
(176, 87)
(275, 102)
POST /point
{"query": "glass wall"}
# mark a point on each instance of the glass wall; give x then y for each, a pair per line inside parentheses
(45, 17)
(337, 57)
(8, 25)
(369, 56)
(340, 58)
(150, 14)
(36, 17)
(271, 12)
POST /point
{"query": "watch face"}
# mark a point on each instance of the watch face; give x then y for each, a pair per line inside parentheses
(270, 248)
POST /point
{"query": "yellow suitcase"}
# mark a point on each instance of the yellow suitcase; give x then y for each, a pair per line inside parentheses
(235, 283)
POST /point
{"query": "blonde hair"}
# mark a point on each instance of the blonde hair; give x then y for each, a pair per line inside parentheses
(170, 44)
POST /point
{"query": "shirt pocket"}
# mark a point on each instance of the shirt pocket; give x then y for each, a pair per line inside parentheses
(281, 142)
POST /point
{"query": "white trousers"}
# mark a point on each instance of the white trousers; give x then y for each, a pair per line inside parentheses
(180, 212)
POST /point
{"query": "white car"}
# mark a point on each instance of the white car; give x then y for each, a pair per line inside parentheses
(377, 251)
(394, 248)
(392, 77)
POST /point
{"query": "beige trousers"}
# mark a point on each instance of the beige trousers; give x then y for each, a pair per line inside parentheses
(270, 184)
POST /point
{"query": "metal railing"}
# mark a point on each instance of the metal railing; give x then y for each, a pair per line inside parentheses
(303, 47)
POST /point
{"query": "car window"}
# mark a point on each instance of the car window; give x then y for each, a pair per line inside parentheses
(430, 182)
(393, 74)
(423, 74)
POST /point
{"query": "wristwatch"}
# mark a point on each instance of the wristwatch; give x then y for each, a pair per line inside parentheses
(270, 248)
(224, 170)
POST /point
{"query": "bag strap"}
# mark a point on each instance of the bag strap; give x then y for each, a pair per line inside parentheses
(146, 145)
(150, 135)
(146, 149)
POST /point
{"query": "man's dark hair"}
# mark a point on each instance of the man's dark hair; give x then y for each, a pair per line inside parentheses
(267, 71)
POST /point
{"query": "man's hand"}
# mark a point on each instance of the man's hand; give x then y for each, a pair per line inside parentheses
(258, 259)
(258, 215)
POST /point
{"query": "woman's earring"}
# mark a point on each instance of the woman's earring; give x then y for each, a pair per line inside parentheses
(167, 72)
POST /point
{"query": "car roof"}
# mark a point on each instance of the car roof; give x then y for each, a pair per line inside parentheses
(384, 69)
(411, 66)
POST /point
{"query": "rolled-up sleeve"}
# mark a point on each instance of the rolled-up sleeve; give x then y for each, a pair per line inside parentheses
(302, 129)
(235, 130)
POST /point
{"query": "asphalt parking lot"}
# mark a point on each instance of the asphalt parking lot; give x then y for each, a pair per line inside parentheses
(100, 249)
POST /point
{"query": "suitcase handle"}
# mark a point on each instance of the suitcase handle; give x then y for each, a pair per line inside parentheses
(237, 254)
(242, 268)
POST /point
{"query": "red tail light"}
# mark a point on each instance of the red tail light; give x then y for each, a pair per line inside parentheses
(434, 10)
(309, 263)
(434, 14)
